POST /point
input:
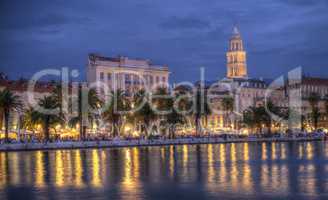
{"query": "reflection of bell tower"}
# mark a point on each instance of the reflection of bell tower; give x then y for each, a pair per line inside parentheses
(236, 57)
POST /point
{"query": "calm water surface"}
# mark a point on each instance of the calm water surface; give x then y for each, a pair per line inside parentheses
(218, 171)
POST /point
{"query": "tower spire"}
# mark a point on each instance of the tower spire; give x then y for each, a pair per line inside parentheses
(235, 30)
(236, 56)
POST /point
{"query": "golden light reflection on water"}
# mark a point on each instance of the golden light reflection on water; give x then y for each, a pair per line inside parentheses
(234, 171)
(103, 165)
(185, 155)
(210, 161)
(274, 176)
(222, 167)
(136, 164)
(39, 170)
(247, 181)
(309, 150)
(59, 169)
(306, 179)
(273, 151)
(284, 179)
(27, 169)
(96, 180)
(171, 162)
(3, 172)
(300, 151)
(283, 151)
(185, 172)
(14, 168)
(162, 154)
(264, 151)
(246, 152)
(264, 176)
(68, 171)
(131, 187)
(78, 170)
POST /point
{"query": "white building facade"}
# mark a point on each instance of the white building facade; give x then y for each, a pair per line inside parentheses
(129, 75)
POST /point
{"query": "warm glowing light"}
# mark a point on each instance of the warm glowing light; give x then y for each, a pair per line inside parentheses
(59, 169)
(3, 172)
(39, 171)
(78, 170)
(96, 181)
(14, 168)
(273, 151)
(185, 155)
(309, 150)
(264, 151)
(246, 153)
(210, 160)
(172, 163)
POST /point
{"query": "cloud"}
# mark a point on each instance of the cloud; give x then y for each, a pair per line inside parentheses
(22, 22)
(184, 23)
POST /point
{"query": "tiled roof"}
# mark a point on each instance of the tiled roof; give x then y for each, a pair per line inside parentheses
(315, 81)
(21, 86)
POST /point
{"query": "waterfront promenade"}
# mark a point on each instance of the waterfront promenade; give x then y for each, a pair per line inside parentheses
(140, 142)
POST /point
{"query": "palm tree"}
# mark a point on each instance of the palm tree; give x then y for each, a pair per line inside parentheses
(174, 117)
(144, 114)
(249, 118)
(116, 111)
(201, 108)
(267, 118)
(8, 103)
(326, 108)
(48, 119)
(30, 119)
(84, 109)
(227, 106)
(163, 103)
(314, 99)
(257, 116)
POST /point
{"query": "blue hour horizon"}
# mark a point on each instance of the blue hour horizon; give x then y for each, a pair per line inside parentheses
(278, 36)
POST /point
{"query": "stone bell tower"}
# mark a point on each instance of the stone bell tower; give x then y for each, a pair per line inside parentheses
(236, 56)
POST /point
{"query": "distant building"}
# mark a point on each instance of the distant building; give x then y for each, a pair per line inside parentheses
(129, 75)
(20, 88)
(236, 56)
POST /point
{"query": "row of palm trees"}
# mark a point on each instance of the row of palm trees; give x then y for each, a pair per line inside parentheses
(144, 109)
(152, 109)
(257, 116)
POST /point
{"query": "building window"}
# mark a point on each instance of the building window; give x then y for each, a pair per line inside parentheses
(101, 75)
(163, 79)
(151, 79)
(136, 80)
(157, 79)
(127, 77)
(109, 76)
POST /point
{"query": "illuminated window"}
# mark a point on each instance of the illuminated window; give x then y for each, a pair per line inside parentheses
(101, 75)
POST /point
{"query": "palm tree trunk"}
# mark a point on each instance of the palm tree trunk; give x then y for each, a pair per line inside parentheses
(84, 131)
(6, 116)
(316, 123)
(46, 129)
(197, 125)
(81, 131)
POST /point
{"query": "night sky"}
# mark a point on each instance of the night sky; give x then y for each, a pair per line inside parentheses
(278, 35)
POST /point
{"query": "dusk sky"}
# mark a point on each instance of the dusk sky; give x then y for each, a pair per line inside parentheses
(279, 35)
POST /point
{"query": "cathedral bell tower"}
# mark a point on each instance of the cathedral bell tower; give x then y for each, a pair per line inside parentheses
(236, 57)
